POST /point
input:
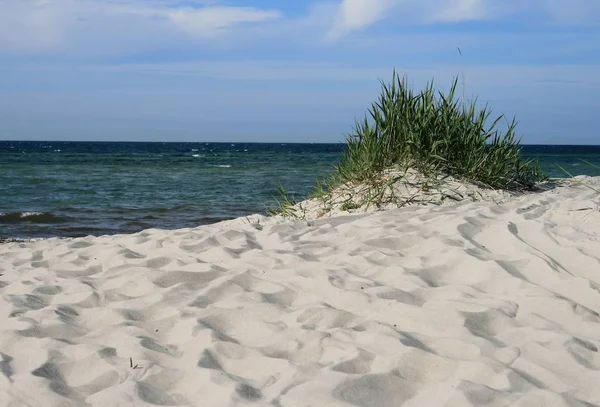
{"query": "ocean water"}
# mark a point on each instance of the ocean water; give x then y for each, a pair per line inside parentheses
(70, 189)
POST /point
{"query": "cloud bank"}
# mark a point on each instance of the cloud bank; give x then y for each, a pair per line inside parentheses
(56, 25)
(353, 15)
(103, 26)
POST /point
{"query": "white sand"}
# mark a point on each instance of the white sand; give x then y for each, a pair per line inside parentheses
(477, 304)
(398, 189)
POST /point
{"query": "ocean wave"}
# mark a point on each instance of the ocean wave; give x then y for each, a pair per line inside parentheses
(32, 217)
(221, 166)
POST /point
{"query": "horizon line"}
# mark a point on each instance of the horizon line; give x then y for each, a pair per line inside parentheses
(243, 142)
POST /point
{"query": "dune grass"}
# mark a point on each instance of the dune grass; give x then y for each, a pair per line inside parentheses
(585, 184)
(287, 206)
(436, 134)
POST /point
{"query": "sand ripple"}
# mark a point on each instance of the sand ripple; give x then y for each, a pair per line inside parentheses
(471, 305)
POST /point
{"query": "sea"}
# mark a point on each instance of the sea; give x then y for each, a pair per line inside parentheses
(73, 189)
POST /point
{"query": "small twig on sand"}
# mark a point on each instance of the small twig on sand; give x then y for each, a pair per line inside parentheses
(132, 366)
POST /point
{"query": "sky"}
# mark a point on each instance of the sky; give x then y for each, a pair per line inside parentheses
(287, 70)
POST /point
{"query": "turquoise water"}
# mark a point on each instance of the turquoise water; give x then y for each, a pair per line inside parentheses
(81, 188)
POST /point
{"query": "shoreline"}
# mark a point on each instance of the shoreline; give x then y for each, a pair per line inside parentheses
(315, 213)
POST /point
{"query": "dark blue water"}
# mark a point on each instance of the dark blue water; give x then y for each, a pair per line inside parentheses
(81, 188)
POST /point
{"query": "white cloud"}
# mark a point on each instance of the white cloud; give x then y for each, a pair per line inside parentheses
(354, 15)
(210, 20)
(53, 25)
(574, 11)
(357, 14)
(459, 10)
(35, 23)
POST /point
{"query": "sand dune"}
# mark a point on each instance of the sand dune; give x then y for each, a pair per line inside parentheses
(475, 304)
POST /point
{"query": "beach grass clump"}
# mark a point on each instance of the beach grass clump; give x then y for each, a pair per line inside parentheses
(287, 206)
(417, 147)
(434, 133)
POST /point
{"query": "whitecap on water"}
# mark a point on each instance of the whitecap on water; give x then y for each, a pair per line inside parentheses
(30, 214)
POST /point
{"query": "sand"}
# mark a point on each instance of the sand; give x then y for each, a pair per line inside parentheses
(473, 304)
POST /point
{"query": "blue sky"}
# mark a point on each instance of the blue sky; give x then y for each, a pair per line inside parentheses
(287, 70)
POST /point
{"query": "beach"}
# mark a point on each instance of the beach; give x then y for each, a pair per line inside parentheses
(470, 304)
(345, 203)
